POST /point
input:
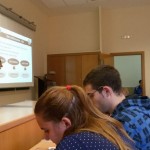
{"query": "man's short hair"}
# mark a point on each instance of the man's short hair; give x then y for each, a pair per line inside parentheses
(104, 75)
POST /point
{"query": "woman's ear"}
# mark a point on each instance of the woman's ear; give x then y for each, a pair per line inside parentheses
(66, 122)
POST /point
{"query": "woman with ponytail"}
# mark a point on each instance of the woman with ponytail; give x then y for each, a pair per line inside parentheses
(70, 119)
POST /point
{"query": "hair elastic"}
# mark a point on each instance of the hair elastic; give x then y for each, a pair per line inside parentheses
(68, 87)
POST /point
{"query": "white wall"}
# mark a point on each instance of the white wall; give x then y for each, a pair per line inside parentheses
(132, 21)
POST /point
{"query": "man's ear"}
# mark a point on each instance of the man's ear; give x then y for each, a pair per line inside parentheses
(107, 91)
(66, 122)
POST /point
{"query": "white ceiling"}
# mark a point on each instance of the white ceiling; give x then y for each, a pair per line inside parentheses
(104, 3)
(58, 6)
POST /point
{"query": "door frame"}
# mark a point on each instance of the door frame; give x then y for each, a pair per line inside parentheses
(141, 53)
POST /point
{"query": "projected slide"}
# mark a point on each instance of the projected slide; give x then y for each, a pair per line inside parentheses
(16, 58)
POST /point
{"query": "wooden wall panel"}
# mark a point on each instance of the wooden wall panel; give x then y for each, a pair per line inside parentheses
(21, 137)
(57, 63)
(73, 69)
(89, 62)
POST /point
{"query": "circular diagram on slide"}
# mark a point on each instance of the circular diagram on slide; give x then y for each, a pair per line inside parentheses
(25, 75)
(24, 63)
(3, 60)
(2, 74)
(13, 62)
(13, 74)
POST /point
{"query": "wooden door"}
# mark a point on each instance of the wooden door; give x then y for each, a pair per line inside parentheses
(56, 63)
(73, 69)
(142, 67)
(89, 61)
(106, 59)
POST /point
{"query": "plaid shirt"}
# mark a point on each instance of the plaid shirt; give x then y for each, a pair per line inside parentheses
(134, 114)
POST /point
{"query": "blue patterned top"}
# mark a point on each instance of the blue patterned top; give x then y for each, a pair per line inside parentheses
(87, 141)
(135, 117)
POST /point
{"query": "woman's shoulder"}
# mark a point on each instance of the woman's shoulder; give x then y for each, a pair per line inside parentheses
(85, 140)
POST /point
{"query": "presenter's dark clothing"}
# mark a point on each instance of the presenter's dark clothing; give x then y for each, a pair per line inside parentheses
(87, 141)
(134, 114)
(138, 90)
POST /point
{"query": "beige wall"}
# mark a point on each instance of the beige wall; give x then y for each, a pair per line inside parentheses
(82, 32)
(132, 21)
(29, 11)
(72, 33)
(126, 21)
